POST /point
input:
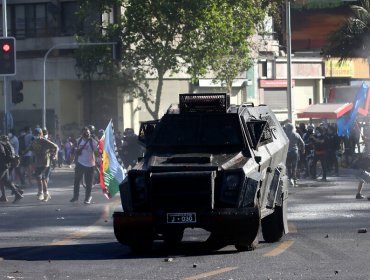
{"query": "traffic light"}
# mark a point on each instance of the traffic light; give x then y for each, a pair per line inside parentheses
(7, 56)
(17, 95)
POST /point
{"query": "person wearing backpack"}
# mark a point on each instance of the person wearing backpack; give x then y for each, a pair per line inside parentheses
(86, 148)
(42, 150)
(7, 156)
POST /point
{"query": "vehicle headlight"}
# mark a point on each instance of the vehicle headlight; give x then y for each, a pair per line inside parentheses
(231, 185)
(140, 182)
(232, 182)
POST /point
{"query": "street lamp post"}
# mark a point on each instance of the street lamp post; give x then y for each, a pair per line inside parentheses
(290, 100)
(44, 65)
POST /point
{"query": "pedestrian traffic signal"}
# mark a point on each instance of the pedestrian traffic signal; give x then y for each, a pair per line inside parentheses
(7, 56)
(17, 95)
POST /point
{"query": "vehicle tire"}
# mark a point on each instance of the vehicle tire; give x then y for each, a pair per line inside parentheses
(137, 242)
(249, 247)
(215, 242)
(273, 226)
(252, 240)
(252, 243)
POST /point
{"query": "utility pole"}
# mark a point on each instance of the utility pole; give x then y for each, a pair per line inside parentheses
(290, 99)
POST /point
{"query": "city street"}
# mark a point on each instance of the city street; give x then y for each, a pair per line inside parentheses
(63, 240)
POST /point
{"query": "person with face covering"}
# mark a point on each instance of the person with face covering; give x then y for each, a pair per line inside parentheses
(86, 148)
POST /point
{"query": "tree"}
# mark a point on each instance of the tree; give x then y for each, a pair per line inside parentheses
(161, 37)
(352, 38)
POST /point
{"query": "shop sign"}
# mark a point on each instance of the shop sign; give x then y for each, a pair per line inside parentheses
(275, 83)
(335, 69)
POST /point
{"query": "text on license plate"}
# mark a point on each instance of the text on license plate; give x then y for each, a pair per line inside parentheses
(180, 218)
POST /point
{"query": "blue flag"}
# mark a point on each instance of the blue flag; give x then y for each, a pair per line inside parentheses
(346, 122)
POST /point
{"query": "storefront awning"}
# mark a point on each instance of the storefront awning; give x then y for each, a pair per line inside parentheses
(325, 111)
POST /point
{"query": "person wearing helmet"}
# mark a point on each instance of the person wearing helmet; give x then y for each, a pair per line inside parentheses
(93, 132)
(295, 144)
(42, 149)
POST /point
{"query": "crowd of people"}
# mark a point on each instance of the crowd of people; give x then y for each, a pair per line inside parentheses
(314, 151)
(310, 145)
(38, 153)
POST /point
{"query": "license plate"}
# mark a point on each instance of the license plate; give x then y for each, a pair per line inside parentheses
(181, 218)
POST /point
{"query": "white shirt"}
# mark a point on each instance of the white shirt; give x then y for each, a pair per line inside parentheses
(87, 157)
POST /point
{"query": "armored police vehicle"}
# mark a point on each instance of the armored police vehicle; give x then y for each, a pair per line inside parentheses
(209, 165)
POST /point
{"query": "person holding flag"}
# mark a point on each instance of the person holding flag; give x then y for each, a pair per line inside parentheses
(111, 170)
(85, 164)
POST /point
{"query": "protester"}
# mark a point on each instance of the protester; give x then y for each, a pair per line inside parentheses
(68, 147)
(320, 151)
(85, 162)
(131, 148)
(27, 157)
(333, 147)
(309, 150)
(361, 170)
(43, 150)
(295, 145)
(15, 170)
(7, 155)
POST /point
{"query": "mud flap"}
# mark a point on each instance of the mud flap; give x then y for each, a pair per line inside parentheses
(239, 227)
(129, 229)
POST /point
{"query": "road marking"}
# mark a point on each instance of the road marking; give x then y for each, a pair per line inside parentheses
(210, 273)
(279, 249)
(107, 212)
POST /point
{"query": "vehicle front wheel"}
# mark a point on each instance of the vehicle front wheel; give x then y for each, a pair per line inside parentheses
(273, 226)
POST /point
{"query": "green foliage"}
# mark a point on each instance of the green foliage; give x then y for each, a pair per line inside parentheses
(352, 38)
(168, 36)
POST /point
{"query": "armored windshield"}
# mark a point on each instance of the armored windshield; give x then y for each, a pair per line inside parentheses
(201, 132)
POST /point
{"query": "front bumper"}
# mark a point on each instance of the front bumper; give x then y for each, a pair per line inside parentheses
(227, 221)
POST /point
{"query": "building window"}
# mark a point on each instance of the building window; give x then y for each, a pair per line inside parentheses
(42, 20)
(29, 20)
(70, 22)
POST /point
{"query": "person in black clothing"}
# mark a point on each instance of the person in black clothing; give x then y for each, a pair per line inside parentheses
(333, 147)
(320, 141)
(302, 130)
(131, 148)
(309, 147)
(5, 180)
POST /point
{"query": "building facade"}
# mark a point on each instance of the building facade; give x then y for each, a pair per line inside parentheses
(72, 102)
